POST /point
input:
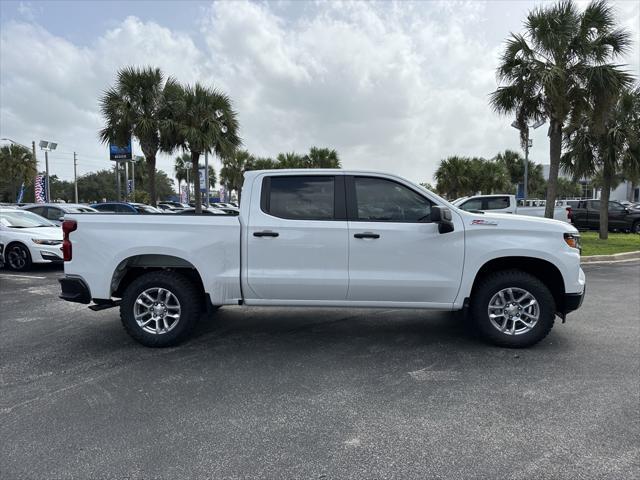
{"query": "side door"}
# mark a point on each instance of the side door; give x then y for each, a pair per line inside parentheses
(396, 255)
(617, 216)
(297, 244)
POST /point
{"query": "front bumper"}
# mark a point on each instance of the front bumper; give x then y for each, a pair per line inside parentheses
(573, 301)
(74, 289)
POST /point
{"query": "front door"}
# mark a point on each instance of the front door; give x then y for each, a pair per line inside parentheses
(297, 242)
(395, 253)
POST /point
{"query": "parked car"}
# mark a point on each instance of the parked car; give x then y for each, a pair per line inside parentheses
(327, 238)
(587, 216)
(205, 211)
(507, 204)
(125, 207)
(28, 238)
(176, 205)
(55, 212)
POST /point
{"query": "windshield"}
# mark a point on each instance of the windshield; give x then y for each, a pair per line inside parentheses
(23, 220)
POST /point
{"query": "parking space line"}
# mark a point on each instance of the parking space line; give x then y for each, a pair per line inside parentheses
(22, 276)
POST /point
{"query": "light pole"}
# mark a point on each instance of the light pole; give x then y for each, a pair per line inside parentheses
(223, 128)
(47, 147)
(527, 144)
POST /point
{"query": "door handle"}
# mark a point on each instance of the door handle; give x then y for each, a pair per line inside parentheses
(366, 235)
(266, 233)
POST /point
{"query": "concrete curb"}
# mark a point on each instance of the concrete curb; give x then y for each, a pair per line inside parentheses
(616, 257)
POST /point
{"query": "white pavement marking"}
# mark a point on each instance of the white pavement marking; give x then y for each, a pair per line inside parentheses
(21, 276)
(600, 262)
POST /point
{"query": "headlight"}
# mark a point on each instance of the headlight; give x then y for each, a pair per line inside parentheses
(573, 240)
(46, 242)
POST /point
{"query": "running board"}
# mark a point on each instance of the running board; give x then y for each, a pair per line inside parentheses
(96, 307)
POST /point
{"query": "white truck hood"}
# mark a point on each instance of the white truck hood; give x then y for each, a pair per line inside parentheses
(511, 221)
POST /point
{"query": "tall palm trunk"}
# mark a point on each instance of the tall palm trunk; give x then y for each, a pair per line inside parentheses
(555, 151)
(151, 174)
(607, 180)
(195, 156)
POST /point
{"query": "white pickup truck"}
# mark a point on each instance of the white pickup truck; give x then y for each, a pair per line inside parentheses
(502, 203)
(326, 238)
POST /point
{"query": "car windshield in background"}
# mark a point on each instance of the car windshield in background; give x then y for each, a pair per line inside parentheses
(24, 220)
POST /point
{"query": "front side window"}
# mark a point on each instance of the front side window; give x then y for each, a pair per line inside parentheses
(54, 213)
(301, 197)
(497, 203)
(471, 205)
(380, 200)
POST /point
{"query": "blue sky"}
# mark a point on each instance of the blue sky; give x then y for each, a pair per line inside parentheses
(391, 86)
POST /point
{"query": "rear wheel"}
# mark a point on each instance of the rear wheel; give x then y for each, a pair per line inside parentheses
(17, 257)
(512, 308)
(636, 227)
(159, 309)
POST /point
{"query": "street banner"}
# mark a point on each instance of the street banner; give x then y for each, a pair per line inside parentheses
(129, 186)
(118, 153)
(203, 180)
(20, 194)
(184, 194)
(223, 196)
(41, 189)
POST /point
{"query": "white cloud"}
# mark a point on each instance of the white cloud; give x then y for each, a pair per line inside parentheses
(390, 86)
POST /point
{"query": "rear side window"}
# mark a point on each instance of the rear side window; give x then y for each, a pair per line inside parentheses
(300, 197)
(54, 213)
(497, 203)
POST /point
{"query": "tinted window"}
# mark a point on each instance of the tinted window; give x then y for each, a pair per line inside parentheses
(497, 203)
(616, 207)
(104, 208)
(380, 200)
(595, 205)
(37, 210)
(469, 205)
(54, 213)
(301, 198)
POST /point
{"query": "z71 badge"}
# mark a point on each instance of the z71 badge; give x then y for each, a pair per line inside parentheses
(484, 222)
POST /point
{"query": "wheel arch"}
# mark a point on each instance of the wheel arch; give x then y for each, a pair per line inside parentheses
(543, 270)
(136, 265)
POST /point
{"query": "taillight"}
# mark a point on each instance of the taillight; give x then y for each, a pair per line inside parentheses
(68, 226)
(570, 214)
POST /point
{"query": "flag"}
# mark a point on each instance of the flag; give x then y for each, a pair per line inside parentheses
(41, 189)
(20, 194)
(184, 194)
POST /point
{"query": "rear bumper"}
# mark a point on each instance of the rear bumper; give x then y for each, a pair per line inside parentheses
(74, 289)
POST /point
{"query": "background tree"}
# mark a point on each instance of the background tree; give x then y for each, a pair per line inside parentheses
(452, 177)
(135, 106)
(18, 166)
(607, 147)
(200, 120)
(291, 160)
(233, 168)
(546, 70)
(514, 163)
(322, 158)
(180, 168)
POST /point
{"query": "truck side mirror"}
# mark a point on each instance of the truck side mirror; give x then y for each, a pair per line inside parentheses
(442, 216)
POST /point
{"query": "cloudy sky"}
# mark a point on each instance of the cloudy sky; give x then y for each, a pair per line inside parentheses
(391, 86)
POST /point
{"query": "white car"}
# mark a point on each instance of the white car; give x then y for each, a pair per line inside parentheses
(326, 238)
(28, 238)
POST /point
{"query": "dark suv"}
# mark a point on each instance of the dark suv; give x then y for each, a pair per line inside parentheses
(587, 216)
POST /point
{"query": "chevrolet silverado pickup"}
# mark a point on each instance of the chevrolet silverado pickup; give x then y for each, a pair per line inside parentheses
(326, 238)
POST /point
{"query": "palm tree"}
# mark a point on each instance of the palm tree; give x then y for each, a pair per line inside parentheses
(514, 163)
(322, 158)
(452, 177)
(233, 168)
(607, 148)
(291, 160)
(134, 107)
(563, 57)
(18, 166)
(199, 120)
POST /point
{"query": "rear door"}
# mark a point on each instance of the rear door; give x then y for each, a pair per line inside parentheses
(593, 214)
(395, 253)
(297, 244)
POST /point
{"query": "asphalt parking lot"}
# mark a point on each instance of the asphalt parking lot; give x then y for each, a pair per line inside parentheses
(318, 394)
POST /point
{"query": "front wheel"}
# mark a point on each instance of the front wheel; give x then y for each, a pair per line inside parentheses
(18, 257)
(160, 308)
(512, 308)
(636, 227)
